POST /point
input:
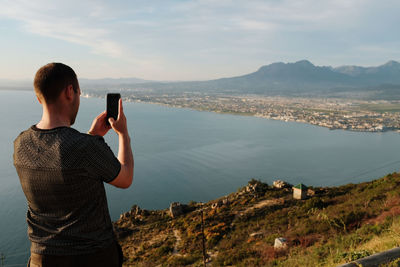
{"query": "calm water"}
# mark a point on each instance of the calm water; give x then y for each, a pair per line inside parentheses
(183, 155)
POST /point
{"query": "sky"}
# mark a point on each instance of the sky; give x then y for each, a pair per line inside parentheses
(193, 39)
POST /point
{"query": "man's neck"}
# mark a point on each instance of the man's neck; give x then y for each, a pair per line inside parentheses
(50, 125)
(51, 120)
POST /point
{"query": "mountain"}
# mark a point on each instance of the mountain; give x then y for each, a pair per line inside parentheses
(301, 78)
(301, 71)
(386, 73)
(298, 78)
(305, 76)
(390, 67)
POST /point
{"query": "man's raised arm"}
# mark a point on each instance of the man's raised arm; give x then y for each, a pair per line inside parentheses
(125, 156)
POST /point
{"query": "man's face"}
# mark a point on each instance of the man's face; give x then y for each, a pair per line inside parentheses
(75, 105)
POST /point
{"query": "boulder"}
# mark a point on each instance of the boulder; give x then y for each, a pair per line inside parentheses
(217, 204)
(251, 188)
(310, 192)
(175, 209)
(280, 243)
(256, 234)
(281, 184)
(225, 201)
(124, 215)
(256, 188)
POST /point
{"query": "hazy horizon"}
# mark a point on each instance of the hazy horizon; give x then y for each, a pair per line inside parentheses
(24, 81)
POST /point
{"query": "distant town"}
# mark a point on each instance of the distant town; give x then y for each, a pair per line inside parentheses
(333, 113)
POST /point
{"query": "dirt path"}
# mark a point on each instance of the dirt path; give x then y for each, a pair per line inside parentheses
(262, 204)
(177, 242)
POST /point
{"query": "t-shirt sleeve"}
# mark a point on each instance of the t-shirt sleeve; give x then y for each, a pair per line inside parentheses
(102, 163)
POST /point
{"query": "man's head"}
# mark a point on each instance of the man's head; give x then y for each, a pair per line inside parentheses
(56, 84)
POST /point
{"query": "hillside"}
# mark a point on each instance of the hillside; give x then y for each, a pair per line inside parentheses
(332, 226)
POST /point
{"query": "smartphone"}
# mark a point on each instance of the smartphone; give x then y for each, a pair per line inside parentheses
(112, 106)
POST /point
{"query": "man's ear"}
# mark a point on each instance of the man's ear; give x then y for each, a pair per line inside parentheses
(69, 92)
(38, 98)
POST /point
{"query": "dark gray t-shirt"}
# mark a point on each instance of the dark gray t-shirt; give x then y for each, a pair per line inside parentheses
(62, 172)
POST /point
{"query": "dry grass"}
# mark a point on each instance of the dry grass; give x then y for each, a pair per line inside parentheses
(387, 240)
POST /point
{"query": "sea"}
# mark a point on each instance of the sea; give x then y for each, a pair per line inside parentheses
(183, 155)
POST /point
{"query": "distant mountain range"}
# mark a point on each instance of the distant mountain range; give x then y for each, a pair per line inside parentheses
(301, 78)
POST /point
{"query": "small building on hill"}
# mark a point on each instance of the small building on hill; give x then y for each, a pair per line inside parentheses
(300, 191)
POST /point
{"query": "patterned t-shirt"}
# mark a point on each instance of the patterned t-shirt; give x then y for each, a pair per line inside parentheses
(62, 173)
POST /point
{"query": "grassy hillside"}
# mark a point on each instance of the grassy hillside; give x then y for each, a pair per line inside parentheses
(332, 226)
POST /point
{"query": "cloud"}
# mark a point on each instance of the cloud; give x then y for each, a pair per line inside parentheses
(165, 37)
(57, 20)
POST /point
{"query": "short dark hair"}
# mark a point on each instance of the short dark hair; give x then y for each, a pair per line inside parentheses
(52, 78)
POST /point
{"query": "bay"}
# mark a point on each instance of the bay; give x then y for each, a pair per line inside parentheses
(182, 155)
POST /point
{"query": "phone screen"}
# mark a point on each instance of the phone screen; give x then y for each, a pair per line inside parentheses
(112, 106)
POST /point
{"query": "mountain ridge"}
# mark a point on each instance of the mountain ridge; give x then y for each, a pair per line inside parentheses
(301, 78)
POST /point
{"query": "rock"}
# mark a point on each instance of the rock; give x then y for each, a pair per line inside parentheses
(310, 192)
(281, 184)
(225, 201)
(124, 215)
(217, 204)
(256, 188)
(257, 234)
(280, 243)
(252, 188)
(175, 209)
(136, 210)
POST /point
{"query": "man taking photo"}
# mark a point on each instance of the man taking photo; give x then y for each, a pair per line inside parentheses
(62, 173)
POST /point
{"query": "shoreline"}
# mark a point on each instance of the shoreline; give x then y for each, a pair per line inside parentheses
(258, 115)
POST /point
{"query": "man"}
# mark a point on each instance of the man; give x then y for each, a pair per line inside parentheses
(62, 172)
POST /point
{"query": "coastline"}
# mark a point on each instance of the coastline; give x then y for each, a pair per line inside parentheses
(272, 116)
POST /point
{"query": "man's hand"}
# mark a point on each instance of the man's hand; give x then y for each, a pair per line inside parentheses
(99, 125)
(119, 125)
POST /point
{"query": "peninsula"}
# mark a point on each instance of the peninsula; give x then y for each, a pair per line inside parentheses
(351, 98)
(333, 113)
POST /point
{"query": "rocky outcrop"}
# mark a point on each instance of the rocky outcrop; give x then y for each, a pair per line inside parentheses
(281, 184)
(256, 188)
(136, 213)
(176, 209)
